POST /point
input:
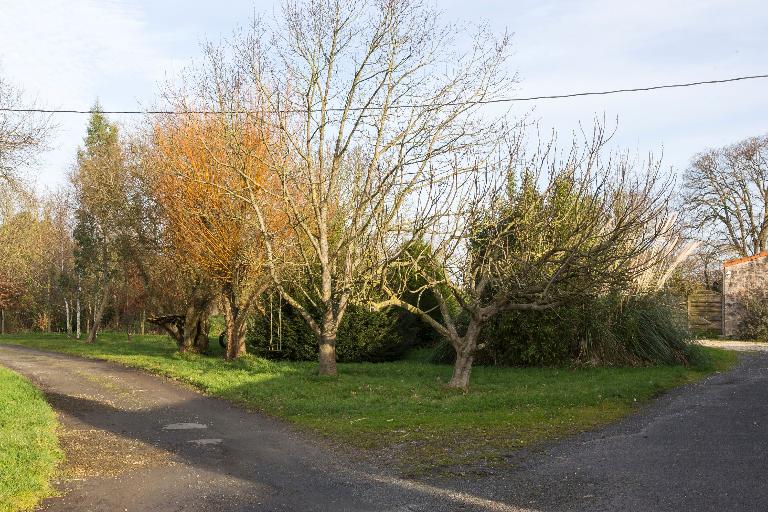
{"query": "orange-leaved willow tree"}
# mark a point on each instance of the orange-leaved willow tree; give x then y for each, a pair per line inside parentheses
(207, 169)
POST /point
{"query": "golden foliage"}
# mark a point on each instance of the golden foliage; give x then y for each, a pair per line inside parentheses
(208, 170)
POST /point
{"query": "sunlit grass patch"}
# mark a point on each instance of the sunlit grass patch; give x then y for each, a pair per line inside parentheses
(403, 408)
(29, 449)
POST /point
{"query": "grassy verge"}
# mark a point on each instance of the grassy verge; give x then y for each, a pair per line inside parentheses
(29, 449)
(403, 406)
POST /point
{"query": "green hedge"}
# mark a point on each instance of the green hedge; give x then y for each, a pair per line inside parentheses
(364, 335)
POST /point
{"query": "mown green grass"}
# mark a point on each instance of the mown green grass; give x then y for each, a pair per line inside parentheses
(29, 449)
(404, 406)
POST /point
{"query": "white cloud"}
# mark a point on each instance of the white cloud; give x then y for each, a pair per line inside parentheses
(69, 52)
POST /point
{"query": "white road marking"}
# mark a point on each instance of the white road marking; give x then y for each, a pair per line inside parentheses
(203, 442)
(184, 426)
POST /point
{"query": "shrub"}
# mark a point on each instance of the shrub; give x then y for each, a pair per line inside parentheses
(609, 330)
(654, 329)
(754, 322)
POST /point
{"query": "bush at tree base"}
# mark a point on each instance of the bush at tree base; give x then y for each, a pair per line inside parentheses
(649, 329)
(364, 335)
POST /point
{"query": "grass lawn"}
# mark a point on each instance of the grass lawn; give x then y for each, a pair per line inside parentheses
(29, 450)
(403, 406)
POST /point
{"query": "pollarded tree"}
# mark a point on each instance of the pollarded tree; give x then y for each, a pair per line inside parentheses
(726, 196)
(528, 233)
(202, 163)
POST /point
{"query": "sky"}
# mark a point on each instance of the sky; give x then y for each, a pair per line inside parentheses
(69, 53)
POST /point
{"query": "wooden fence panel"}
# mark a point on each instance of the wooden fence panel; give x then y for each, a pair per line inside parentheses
(705, 311)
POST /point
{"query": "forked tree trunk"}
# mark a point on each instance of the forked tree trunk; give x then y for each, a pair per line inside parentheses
(465, 354)
(189, 331)
(462, 368)
(99, 316)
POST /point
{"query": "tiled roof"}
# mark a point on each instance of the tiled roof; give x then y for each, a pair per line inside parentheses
(738, 261)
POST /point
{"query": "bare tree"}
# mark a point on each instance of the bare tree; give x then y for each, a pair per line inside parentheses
(726, 196)
(22, 134)
(370, 101)
(527, 232)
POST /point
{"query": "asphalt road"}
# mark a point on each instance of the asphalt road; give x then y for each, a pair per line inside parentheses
(139, 442)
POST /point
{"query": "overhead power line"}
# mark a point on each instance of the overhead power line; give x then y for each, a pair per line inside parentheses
(479, 102)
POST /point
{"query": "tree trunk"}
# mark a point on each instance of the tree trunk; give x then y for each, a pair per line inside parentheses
(68, 319)
(235, 325)
(236, 339)
(465, 355)
(88, 318)
(97, 318)
(118, 316)
(48, 307)
(461, 371)
(327, 345)
(2, 321)
(143, 320)
(191, 327)
(77, 315)
(196, 325)
(201, 340)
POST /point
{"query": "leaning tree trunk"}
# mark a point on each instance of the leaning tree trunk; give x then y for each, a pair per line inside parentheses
(189, 331)
(99, 316)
